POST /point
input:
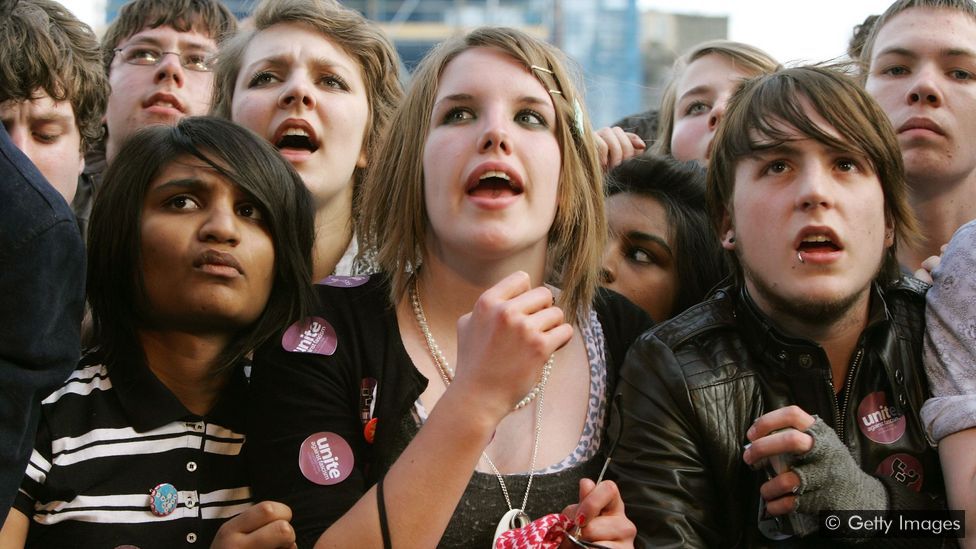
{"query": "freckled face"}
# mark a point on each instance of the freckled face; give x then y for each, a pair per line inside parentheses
(491, 159)
(702, 92)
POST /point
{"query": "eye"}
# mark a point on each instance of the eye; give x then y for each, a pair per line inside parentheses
(639, 256)
(250, 211)
(847, 165)
(262, 79)
(696, 108)
(46, 138)
(896, 70)
(182, 202)
(960, 74)
(458, 114)
(198, 61)
(142, 55)
(776, 167)
(531, 118)
(334, 81)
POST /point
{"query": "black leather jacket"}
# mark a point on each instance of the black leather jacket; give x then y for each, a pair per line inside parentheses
(691, 387)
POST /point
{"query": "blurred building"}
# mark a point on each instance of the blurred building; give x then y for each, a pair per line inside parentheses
(665, 37)
(602, 36)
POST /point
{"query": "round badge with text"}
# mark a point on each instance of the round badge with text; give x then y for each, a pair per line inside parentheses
(311, 335)
(879, 421)
(325, 458)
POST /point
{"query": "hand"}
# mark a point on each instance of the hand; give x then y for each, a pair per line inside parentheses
(780, 432)
(929, 265)
(600, 512)
(615, 145)
(262, 526)
(504, 342)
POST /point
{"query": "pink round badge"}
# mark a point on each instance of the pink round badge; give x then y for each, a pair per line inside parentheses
(312, 335)
(343, 281)
(878, 420)
(325, 458)
(905, 468)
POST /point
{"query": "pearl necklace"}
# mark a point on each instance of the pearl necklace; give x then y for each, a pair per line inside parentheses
(445, 370)
(515, 517)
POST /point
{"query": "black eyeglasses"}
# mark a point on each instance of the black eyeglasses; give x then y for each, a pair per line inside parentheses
(139, 54)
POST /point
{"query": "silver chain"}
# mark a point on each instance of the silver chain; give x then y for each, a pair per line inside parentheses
(447, 375)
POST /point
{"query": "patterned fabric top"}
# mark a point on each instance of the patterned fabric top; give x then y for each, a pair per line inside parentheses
(950, 339)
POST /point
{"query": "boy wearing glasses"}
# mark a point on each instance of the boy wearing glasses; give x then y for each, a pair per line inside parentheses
(157, 55)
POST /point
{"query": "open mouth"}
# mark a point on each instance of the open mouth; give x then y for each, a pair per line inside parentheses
(818, 244)
(298, 139)
(495, 184)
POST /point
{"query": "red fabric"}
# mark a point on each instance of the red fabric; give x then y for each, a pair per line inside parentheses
(543, 533)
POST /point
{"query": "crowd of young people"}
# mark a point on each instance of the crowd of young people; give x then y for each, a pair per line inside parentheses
(325, 311)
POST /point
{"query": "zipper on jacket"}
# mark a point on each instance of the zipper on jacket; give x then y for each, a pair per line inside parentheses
(841, 413)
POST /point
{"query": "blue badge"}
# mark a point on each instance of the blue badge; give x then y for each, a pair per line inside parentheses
(163, 499)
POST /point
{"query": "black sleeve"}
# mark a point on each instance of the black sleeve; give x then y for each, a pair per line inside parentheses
(42, 286)
(658, 464)
(293, 396)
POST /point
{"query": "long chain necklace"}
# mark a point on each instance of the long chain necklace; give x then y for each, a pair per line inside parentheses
(515, 517)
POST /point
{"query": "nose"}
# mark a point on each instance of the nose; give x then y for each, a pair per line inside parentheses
(221, 226)
(714, 117)
(814, 188)
(169, 67)
(494, 136)
(608, 269)
(924, 89)
(297, 90)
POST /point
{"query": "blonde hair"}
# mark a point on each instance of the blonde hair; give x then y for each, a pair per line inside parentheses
(354, 34)
(578, 232)
(748, 58)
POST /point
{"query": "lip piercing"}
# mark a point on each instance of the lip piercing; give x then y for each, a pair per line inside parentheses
(800, 257)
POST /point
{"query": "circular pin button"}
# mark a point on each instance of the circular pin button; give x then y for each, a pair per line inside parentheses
(163, 499)
(191, 466)
(369, 431)
(191, 538)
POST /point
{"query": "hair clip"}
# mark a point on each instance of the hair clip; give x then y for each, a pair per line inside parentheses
(550, 73)
(578, 112)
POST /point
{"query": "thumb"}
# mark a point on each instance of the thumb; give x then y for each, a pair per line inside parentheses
(585, 487)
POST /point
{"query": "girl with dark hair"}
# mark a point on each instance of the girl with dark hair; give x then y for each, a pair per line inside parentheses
(662, 253)
(199, 250)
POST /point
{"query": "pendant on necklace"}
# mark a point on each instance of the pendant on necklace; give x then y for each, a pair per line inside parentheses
(514, 518)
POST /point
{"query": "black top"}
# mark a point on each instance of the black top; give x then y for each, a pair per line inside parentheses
(369, 375)
(107, 438)
(42, 296)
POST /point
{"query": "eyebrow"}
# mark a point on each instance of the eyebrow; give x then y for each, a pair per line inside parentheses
(464, 97)
(697, 90)
(52, 117)
(188, 184)
(945, 52)
(640, 236)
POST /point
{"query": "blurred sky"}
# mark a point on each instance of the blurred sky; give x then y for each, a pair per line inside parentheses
(790, 30)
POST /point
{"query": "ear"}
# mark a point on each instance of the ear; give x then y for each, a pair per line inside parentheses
(889, 239)
(81, 164)
(361, 162)
(727, 232)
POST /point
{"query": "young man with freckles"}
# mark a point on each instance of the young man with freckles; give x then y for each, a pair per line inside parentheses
(919, 63)
(810, 359)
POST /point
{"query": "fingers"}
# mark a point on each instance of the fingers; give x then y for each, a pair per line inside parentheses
(615, 146)
(261, 526)
(782, 506)
(782, 418)
(784, 484)
(601, 513)
(923, 275)
(786, 441)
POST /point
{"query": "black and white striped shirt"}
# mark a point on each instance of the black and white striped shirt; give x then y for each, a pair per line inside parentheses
(105, 441)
